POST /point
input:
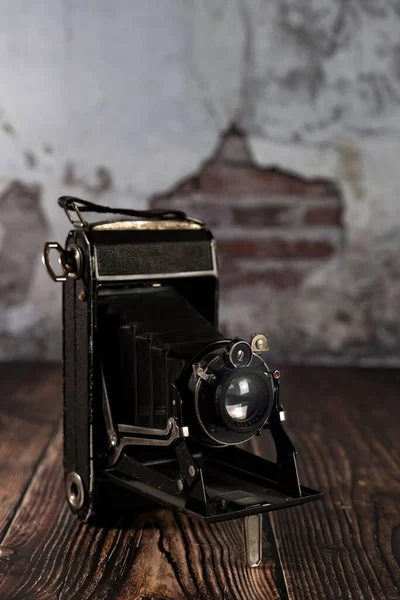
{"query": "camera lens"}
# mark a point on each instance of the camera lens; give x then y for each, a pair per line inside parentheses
(243, 397)
(230, 394)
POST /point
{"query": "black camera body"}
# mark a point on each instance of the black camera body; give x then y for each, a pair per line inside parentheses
(156, 400)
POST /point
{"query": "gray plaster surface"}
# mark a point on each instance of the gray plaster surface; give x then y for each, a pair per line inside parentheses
(116, 101)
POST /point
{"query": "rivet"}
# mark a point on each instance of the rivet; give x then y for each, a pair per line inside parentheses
(179, 485)
(260, 344)
(82, 295)
(222, 504)
(192, 471)
(276, 374)
(75, 491)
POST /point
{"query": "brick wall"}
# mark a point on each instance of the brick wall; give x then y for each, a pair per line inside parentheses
(22, 231)
(271, 227)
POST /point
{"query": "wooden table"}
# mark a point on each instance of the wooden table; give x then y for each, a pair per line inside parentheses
(346, 425)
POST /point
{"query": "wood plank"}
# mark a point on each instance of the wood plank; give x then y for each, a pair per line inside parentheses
(29, 410)
(346, 427)
(48, 554)
(345, 424)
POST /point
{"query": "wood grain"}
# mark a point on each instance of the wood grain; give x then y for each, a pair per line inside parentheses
(346, 427)
(345, 424)
(29, 410)
(48, 554)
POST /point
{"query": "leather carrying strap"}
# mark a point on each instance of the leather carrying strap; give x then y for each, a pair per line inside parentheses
(77, 205)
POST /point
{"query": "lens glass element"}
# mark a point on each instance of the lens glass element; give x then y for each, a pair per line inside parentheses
(244, 396)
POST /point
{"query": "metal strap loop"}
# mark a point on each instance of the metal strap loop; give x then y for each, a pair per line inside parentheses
(48, 247)
(70, 260)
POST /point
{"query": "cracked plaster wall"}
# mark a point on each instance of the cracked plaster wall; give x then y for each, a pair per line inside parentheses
(119, 101)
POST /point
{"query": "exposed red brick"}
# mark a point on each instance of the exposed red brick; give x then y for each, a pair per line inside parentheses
(220, 211)
(267, 215)
(277, 247)
(233, 149)
(230, 193)
(278, 278)
(251, 180)
(323, 215)
(187, 186)
(20, 210)
(214, 211)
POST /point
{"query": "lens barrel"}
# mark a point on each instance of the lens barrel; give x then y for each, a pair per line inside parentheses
(232, 394)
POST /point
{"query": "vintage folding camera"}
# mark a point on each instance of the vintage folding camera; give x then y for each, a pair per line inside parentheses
(157, 401)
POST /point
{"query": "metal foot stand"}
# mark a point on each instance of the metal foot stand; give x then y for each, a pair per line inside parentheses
(252, 529)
